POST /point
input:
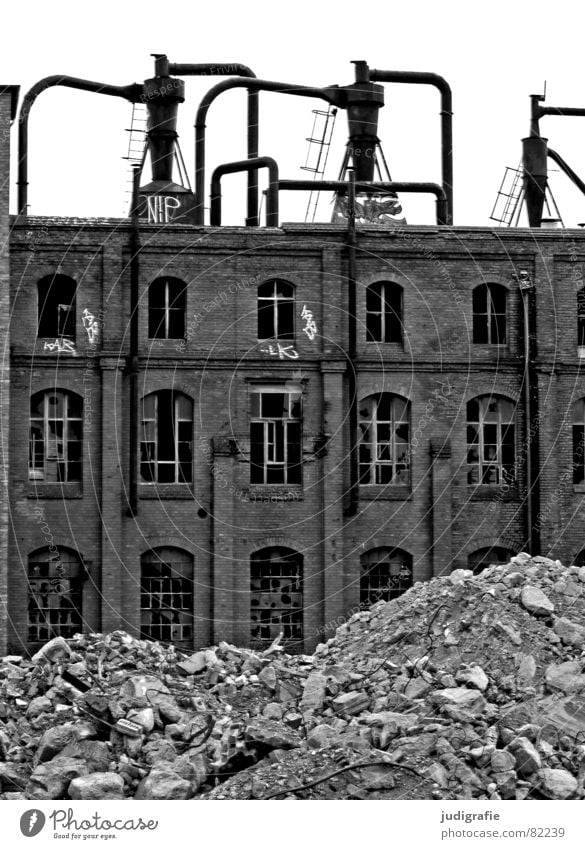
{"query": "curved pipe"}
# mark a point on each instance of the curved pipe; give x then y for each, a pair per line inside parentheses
(341, 187)
(130, 92)
(424, 78)
(246, 165)
(212, 94)
(164, 68)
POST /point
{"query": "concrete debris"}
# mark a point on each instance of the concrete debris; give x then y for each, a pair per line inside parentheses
(466, 687)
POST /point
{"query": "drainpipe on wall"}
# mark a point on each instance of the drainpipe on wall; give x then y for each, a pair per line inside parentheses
(352, 348)
(532, 418)
(133, 357)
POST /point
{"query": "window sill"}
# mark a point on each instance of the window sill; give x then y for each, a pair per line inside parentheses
(160, 491)
(40, 489)
(275, 492)
(579, 487)
(381, 492)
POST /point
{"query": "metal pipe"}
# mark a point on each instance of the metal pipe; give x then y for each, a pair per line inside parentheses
(535, 179)
(352, 347)
(530, 386)
(246, 165)
(340, 186)
(556, 157)
(211, 95)
(164, 67)
(130, 92)
(424, 78)
(133, 358)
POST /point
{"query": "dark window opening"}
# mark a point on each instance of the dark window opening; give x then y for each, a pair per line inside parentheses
(277, 597)
(386, 573)
(484, 557)
(384, 449)
(166, 596)
(276, 319)
(54, 594)
(55, 437)
(56, 307)
(275, 436)
(489, 314)
(581, 317)
(491, 450)
(167, 438)
(384, 312)
(166, 309)
(579, 441)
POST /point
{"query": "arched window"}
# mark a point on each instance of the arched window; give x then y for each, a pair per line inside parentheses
(484, 557)
(578, 441)
(581, 317)
(56, 303)
(54, 594)
(276, 595)
(385, 574)
(167, 438)
(166, 308)
(384, 312)
(490, 441)
(489, 314)
(384, 440)
(55, 436)
(276, 310)
(166, 596)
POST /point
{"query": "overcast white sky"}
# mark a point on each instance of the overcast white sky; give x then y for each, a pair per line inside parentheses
(493, 55)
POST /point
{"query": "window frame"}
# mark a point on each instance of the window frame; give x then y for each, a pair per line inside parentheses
(168, 308)
(276, 304)
(379, 556)
(146, 460)
(578, 439)
(63, 578)
(52, 439)
(489, 315)
(181, 565)
(374, 444)
(388, 313)
(292, 472)
(504, 475)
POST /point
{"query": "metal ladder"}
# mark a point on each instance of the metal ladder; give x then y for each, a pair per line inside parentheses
(509, 198)
(136, 145)
(322, 141)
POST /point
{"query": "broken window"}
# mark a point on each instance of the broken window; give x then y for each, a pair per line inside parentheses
(276, 317)
(490, 441)
(484, 557)
(167, 438)
(578, 441)
(581, 317)
(489, 314)
(56, 307)
(385, 574)
(384, 312)
(384, 450)
(166, 308)
(54, 594)
(275, 435)
(55, 437)
(166, 596)
(277, 596)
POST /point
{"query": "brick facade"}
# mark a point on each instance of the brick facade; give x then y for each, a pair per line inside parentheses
(219, 519)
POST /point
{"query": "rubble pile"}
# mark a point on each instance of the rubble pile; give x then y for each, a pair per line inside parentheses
(465, 687)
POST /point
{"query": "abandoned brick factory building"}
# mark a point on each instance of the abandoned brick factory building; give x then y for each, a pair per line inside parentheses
(227, 432)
